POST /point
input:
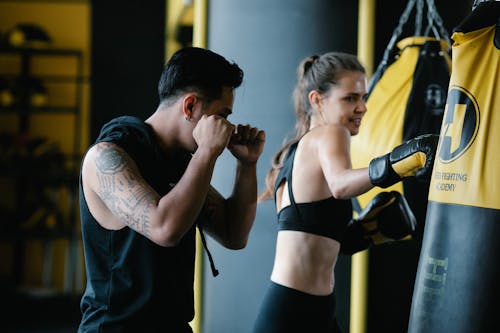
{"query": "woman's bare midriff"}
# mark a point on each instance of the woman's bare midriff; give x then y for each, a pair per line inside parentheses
(305, 262)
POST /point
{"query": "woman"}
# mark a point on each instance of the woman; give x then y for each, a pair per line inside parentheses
(312, 182)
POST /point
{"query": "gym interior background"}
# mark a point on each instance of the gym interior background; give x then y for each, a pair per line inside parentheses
(68, 66)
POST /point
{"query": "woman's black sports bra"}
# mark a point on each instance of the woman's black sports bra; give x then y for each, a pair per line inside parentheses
(327, 217)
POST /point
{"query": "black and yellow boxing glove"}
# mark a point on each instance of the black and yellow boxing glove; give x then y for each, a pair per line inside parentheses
(414, 157)
(386, 218)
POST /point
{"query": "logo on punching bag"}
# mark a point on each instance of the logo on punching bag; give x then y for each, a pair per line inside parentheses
(435, 98)
(460, 124)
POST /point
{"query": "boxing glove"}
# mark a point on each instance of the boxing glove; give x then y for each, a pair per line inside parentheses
(414, 157)
(386, 218)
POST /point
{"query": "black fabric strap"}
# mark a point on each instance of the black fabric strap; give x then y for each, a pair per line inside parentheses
(215, 272)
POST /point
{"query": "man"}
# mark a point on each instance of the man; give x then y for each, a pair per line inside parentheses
(145, 186)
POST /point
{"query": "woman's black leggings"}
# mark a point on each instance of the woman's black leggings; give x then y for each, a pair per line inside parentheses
(286, 310)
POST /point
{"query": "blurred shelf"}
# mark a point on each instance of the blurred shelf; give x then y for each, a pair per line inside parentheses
(39, 180)
(40, 51)
(35, 109)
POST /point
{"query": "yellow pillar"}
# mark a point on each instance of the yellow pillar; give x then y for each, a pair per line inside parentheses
(181, 12)
(199, 40)
(360, 261)
(174, 13)
(200, 23)
(366, 33)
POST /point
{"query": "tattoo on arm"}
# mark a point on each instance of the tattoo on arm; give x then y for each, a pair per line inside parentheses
(123, 190)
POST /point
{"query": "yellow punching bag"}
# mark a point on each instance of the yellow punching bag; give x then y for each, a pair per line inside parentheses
(407, 95)
(406, 98)
(456, 288)
(390, 105)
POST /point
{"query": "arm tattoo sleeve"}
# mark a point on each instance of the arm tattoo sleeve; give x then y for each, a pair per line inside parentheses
(123, 190)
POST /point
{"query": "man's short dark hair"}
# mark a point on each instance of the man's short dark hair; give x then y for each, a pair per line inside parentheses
(199, 70)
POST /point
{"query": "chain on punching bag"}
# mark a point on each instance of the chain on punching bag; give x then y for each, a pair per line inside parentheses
(456, 288)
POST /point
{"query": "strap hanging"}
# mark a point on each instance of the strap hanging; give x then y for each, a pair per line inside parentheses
(215, 272)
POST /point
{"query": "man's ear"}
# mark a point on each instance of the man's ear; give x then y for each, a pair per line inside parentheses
(188, 104)
(314, 99)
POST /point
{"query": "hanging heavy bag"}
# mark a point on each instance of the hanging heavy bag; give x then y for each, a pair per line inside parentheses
(408, 100)
(456, 288)
(407, 95)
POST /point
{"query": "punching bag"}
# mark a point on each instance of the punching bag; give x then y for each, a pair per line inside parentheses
(407, 97)
(407, 100)
(456, 288)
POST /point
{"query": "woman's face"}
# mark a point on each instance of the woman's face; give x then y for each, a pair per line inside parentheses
(344, 104)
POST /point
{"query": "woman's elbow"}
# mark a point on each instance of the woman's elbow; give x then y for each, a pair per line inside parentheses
(340, 192)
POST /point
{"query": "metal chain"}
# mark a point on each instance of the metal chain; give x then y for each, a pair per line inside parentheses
(418, 17)
(395, 35)
(433, 19)
(432, 11)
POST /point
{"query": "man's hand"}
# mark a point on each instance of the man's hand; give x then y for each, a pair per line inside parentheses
(247, 143)
(213, 132)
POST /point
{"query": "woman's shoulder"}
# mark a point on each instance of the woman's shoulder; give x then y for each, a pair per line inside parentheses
(326, 133)
(324, 140)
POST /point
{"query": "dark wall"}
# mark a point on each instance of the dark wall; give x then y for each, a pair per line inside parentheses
(127, 57)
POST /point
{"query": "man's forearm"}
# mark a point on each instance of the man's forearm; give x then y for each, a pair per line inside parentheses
(241, 205)
(181, 206)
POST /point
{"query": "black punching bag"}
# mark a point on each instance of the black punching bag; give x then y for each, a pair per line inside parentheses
(457, 288)
(407, 97)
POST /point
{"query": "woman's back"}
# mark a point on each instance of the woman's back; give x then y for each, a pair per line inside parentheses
(308, 247)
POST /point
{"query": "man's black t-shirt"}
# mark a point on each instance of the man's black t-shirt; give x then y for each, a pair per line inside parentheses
(133, 284)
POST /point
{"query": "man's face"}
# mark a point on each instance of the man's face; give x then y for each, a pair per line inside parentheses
(221, 107)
